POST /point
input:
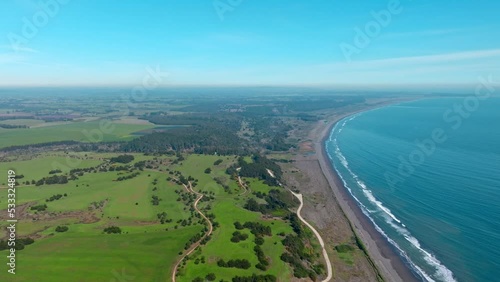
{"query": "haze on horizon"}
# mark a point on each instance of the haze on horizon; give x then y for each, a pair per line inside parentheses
(221, 42)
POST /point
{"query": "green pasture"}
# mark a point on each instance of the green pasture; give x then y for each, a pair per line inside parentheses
(91, 131)
(40, 166)
(146, 256)
(227, 211)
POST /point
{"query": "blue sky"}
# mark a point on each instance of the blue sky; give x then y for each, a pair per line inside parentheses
(249, 42)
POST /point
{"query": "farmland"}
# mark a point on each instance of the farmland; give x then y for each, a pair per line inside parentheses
(96, 200)
(170, 189)
(92, 131)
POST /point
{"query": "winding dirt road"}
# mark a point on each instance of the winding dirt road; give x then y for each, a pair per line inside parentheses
(244, 186)
(195, 245)
(321, 242)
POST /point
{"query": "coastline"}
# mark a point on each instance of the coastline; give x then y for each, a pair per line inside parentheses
(388, 262)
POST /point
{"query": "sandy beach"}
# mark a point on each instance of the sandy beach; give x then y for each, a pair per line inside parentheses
(332, 209)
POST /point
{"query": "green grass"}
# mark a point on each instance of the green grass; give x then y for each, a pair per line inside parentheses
(348, 257)
(73, 131)
(228, 209)
(145, 250)
(195, 165)
(257, 185)
(122, 196)
(39, 167)
(27, 122)
(99, 257)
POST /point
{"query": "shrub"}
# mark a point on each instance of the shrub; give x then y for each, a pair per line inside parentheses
(344, 248)
(62, 228)
(113, 229)
(210, 277)
(39, 207)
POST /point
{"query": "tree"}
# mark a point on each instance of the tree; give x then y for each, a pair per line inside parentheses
(210, 277)
(112, 229)
(62, 228)
(124, 159)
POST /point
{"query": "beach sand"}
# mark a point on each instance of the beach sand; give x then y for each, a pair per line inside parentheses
(330, 207)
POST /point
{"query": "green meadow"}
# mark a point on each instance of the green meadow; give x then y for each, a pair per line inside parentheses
(40, 166)
(91, 131)
(228, 208)
(146, 256)
(220, 246)
(146, 249)
(27, 122)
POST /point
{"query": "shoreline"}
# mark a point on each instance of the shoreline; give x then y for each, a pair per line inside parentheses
(388, 262)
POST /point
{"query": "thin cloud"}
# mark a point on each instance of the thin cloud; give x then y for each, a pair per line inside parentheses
(420, 60)
(422, 33)
(19, 49)
(6, 58)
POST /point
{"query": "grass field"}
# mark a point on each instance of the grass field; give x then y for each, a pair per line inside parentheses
(90, 131)
(27, 122)
(96, 257)
(84, 250)
(227, 212)
(228, 208)
(146, 249)
(40, 166)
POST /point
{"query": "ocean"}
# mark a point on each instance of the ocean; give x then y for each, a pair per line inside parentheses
(427, 174)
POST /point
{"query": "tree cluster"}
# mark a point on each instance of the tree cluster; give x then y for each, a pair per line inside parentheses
(20, 243)
(62, 228)
(235, 263)
(54, 197)
(55, 179)
(113, 230)
(124, 159)
(127, 177)
(255, 278)
(39, 207)
(238, 236)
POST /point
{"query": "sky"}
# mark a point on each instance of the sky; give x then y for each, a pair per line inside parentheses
(248, 42)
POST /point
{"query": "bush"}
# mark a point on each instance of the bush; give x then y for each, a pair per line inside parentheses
(39, 207)
(344, 248)
(62, 228)
(236, 263)
(124, 159)
(255, 278)
(238, 236)
(238, 225)
(113, 229)
(259, 240)
(210, 277)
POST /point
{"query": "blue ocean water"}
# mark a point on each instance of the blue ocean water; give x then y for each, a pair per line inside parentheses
(427, 173)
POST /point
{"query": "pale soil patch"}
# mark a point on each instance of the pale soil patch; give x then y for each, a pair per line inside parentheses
(306, 147)
(47, 124)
